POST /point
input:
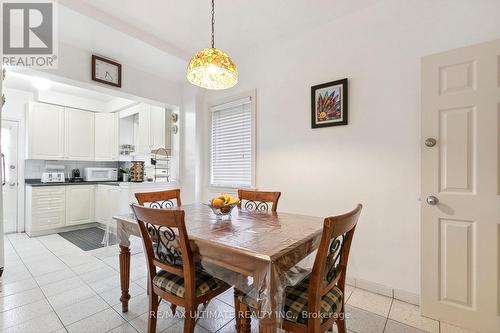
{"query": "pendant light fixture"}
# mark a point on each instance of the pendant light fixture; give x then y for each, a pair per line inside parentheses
(212, 68)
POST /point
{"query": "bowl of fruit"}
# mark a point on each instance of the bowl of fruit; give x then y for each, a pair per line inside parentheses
(223, 205)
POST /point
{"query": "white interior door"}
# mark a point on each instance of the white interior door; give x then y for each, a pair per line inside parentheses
(10, 181)
(461, 187)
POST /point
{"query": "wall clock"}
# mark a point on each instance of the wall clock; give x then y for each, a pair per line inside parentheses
(106, 71)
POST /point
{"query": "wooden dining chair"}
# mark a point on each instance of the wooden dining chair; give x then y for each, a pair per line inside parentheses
(258, 200)
(161, 199)
(179, 281)
(317, 302)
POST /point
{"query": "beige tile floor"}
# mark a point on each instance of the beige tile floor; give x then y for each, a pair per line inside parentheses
(50, 285)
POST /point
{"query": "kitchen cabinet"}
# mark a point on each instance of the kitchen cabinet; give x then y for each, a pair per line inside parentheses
(157, 127)
(79, 133)
(79, 204)
(55, 208)
(45, 208)
(106, 137)
(143, 135)
(45, 131)
(151, 128)
(59, 133)
(51, 209)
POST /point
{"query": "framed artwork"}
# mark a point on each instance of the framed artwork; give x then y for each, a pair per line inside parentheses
(106, 71)
(329, 104)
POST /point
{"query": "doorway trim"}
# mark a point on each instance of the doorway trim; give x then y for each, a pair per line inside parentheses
(20, 173)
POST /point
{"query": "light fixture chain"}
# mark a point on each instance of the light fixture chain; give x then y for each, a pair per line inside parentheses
(213, 23)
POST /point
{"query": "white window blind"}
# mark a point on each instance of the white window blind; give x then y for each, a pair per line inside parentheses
(232, 144)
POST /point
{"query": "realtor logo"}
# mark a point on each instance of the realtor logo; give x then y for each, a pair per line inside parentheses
(29, 34)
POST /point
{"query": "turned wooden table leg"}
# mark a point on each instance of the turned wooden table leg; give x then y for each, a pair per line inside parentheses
(243, 314)
(268, 322)
(124, 276)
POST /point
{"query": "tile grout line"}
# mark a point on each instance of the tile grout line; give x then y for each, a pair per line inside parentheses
(388, 314)
(67, 266)
(45, 296)
(22, 263)
(127, 321)
(88, 285)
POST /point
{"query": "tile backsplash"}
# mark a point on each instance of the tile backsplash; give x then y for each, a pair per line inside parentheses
(34, 168)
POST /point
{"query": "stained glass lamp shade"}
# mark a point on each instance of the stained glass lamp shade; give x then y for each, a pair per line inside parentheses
(212, 68)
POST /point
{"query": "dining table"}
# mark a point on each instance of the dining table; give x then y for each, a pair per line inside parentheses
(261, 252)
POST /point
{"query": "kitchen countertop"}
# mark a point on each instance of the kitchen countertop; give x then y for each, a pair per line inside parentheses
(37, 182)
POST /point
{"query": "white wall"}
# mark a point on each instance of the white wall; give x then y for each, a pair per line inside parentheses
(192, 144)
(375, 159)
(74, 68)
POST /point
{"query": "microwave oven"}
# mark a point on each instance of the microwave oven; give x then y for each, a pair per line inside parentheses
(100, 174)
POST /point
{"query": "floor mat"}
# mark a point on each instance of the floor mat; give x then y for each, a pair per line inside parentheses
(88, 239)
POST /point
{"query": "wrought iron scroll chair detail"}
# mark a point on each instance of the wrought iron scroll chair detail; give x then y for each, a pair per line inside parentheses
(322, 292)
(258, 200)
(162, 199)
(179, 280)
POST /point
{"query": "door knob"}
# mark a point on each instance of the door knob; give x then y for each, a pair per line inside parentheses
(432, 200)
(430, 142)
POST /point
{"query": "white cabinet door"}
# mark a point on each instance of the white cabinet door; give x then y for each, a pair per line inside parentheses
(106, 137)
(48, 208)
(45, 129)
(157, 127)
(143, 135)
(79, 135)
(79, 204)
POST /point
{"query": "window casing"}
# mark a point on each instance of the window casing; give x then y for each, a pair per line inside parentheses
(232, 149)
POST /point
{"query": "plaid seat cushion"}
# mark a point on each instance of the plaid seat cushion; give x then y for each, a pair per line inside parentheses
(295, 307)
(174, 284)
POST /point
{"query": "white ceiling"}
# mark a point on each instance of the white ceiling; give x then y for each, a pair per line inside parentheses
(178, 28)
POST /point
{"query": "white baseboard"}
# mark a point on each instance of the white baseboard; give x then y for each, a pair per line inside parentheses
(376, 288)
(350, 282)
(380, 289)
(407, 296)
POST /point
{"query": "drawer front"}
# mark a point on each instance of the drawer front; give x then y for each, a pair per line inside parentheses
(49, 191)
(48, 207)
(48, 202)
(48, 219)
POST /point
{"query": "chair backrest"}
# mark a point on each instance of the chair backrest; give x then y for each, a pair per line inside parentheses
(330, 265)
(166, 243)
(162, 199)
(258, 200)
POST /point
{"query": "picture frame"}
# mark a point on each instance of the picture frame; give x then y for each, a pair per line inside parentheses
(329, 104)
(106, 71)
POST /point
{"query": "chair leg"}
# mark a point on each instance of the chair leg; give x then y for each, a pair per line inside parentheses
(153, 312)
(190, 319)
(341, 321)
(243, 319)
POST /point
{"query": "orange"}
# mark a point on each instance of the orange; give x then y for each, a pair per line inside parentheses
(217, 202)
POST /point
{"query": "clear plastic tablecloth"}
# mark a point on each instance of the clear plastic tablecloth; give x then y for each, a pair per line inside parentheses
(260, 253)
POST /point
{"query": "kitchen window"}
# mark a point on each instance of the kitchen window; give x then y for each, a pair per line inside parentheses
(232, 153)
